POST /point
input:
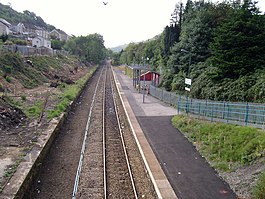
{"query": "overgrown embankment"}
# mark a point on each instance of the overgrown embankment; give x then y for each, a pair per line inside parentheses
(33, 90)
(246, 88)
(34, 71)
(233, 150)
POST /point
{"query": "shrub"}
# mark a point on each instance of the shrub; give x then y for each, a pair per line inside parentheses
(8, 79)
(35, 110)
(23, 97)
(8, 69)
(2, 89)
(20, 42)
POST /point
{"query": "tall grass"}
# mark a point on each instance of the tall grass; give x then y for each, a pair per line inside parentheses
(221, 142)
(35, 110)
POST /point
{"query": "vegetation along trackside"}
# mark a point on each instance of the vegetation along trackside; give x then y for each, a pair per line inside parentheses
(220, 46)
(225, 146)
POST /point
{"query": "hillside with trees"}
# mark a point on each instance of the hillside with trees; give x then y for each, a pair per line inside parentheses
(89, 49)
(220, 46)
(27, 17)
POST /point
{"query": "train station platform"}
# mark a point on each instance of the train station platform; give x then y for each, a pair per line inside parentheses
(177, 169)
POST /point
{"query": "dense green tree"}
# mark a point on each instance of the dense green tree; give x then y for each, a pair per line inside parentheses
(134, 53)
(4, 37)
(171, 33)
(26, 17)
(196, 35)
(137, 53)
(153, 50)
(57, 44)
(238, 46)
(115, 58)
(171, 36)
(89, 48)
(225, 43)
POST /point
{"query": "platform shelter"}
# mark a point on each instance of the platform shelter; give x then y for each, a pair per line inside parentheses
(143, 73)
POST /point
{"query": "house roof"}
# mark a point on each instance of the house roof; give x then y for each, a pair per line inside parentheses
(5, 22)
(40, 38)
(59, 31)
(150, 72)
(37, 38)
(39, 28)
(20, 24)
(29, 26)
(33, 27)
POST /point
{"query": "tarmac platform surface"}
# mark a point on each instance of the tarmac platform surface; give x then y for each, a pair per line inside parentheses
(189, 174)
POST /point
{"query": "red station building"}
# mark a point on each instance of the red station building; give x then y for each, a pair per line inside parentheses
(151, 77)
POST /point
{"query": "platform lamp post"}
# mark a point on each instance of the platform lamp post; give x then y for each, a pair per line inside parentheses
(187, 79)
(144, 87)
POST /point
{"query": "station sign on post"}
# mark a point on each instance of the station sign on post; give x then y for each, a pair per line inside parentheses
(188, 82)
(187, 89)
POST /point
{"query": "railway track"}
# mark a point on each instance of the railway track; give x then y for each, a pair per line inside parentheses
(106, 171)
(105, 161)
(119, 179)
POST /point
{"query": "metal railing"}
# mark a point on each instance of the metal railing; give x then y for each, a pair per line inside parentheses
(250, 114)
(28, 51)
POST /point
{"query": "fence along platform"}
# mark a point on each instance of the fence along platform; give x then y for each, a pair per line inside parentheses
(250, 114)
(27, 51)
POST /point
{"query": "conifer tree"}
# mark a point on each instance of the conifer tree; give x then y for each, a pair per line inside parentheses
(238, 46)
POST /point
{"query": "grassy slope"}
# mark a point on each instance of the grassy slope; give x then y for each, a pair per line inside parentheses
(227, 146)
(45, 69)
(13, 66)
(14, 70)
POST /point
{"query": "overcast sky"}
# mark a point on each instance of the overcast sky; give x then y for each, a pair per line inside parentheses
(119, 22)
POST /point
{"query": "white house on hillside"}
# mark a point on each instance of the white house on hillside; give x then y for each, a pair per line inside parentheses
(41, 42)
(20, 28)
(41, 32)
(35, 30)
(4, 26)
(59, 34)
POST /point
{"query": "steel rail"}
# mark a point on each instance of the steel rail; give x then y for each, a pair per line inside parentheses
(79, 168)
(122, 139)
(104, 139)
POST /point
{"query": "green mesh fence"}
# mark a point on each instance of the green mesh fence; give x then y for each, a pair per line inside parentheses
(230, 112)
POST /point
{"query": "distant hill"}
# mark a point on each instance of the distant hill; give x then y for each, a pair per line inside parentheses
(119, 48)
(27, 17)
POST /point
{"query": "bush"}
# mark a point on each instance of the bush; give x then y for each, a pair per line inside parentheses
(35, 110)
(8, 79)
(23, 97)
(2, 89)
(20, 42)
(167, 80)
(4, 37)
(8, 69)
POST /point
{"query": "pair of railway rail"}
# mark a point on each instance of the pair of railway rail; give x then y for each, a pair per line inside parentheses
(104, 169)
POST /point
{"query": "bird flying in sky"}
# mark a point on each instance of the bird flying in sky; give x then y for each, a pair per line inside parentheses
(105, 3)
